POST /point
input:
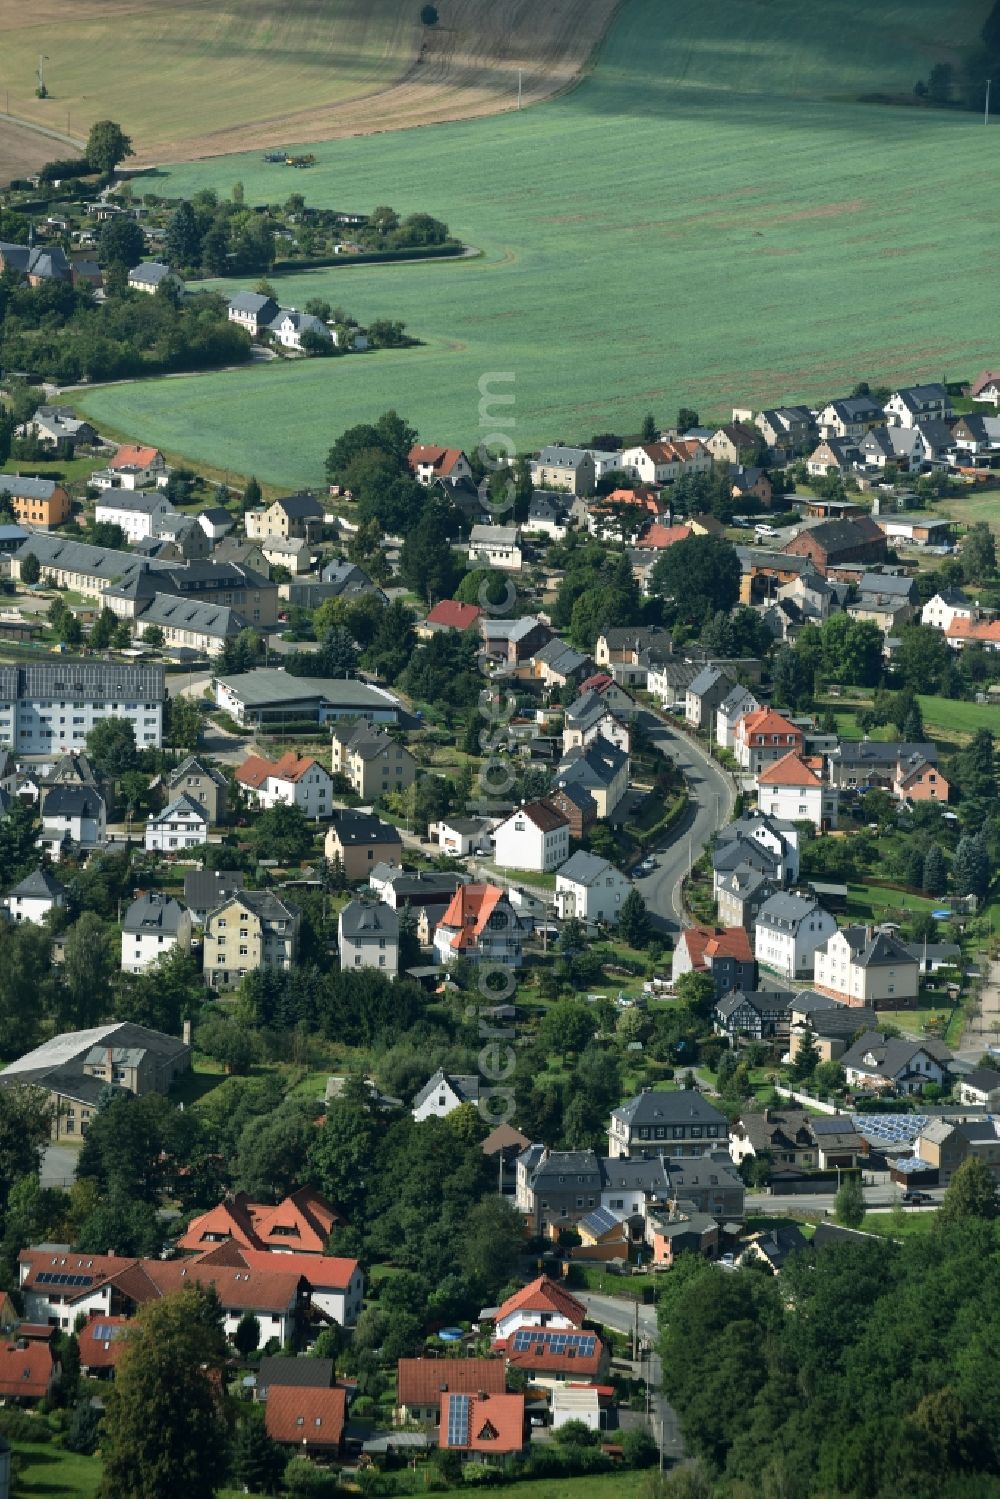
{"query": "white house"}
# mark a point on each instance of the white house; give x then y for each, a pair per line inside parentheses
(149, 275)
(661, 462)
(252, 311)
(543, 1303)
(865, 967)
(444, 1093)
(153, 926)
(35, 897)
(590, 889)
(368, 937)
(459, 836)
(496, 546)
(73, 817)
(792, 791)
(534, 836)
(762, 737)
(183, 824)
(895, 1064)
(291, 326)
(948, 605)
(299, 781)
(788, 931)
(733, 707)
(138, 512)
(914, 405)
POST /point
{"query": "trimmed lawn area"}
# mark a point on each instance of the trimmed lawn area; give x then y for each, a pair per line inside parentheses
(901, 1223)
(918, 1022)
(64, 470)
(970, 508)
(50, 1471)
(867, 901)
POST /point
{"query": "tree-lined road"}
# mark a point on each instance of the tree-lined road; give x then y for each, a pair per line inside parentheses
(710, 807)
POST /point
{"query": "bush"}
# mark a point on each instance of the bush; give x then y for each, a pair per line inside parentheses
(429, 16)
(18, 1426)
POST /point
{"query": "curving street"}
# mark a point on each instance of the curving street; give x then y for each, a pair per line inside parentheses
(710, 807)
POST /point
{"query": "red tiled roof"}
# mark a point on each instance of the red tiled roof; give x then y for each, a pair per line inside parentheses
(642, 496)
(756, 727)
(544, 1295)
(442, 460)
(254, 771)
(307, 1417)
(790, 770)
(705, 943)
(103, 1352)
(25, 1372)
(986, 378)
(324, 1272)
(542, 1358)
(986, 631)
(599, 682)
(496, 1424)
(303, 1221)
(423, 1381)
(230, 1220)
(452, 615)
(131, 455)
(468, 912)
(660, 537)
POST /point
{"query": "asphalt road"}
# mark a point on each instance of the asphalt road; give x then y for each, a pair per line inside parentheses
(619, 1312)
(710, 807)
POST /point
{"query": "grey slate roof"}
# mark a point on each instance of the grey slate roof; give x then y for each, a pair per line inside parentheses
(156, 913)
(465, 1087)
(892, 1054)
(252, 301)
(41, 885)
(300, 506)
(584, 868)
(785, 911)
(66, 800)
(359, 829)
(875, 949)
(149, 273)
(181, 806)
(215, 620)
(706, 679)
(635, 1174)
(302, 1373)
(204, 889)
(764, 1001)
(193, 766)
(684, 1106)
(361, 918)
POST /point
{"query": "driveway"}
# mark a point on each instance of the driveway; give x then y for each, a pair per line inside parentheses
(710, 807)
(58, 1168)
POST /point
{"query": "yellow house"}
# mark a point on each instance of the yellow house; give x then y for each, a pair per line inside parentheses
(252, 929)
(372, 762)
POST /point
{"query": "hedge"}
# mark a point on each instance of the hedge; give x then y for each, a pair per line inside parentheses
(643, 836)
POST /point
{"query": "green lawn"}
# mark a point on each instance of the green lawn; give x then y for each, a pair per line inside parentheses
(750, 166)
(867, 901)
(905, 1224)
(48, 1470)
(965, 718)
(973, 507)
(63, 470)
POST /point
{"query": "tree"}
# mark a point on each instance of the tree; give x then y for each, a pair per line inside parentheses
(240, 652)
(697, 991)
(153, 635)
(687, 418)
(165, 1428)
(806, 1058)
(698, 576)
(31, 569)
(566, 1026)
(25, 1126)
(940, 83)
(107, 145)
(83, 1432)
(91, 953)
(246, 1338)
(111, 746)
(427, 563)
(972, 1193)
(257, 1462)
(970, 868)
(103, 628)
(935, 875)
(182, 722)
(282, 832)
(849, 1203)
(829, 1077)
(229, 1042)
(182, 242)
(389, 436)
(633, 920)
(428, 15)
(922, 659)
(491, 1245)
(120, 244)
(650, 428)
(979, 553)
(251, 494)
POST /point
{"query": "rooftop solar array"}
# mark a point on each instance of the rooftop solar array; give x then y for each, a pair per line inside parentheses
(576, 1344)
(106, 1332)
(890, 1129)
(458, 1420)
(52, 1278)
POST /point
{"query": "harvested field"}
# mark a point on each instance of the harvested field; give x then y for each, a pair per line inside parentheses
(23, 150)
(205, 77)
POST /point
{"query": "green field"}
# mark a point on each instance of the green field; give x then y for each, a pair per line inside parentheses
(958, 717)
(50, 1471)
(707, 218)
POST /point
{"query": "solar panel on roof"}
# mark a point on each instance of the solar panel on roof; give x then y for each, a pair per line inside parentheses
(458, 1420)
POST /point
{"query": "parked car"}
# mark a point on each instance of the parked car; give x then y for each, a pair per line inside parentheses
(916, 1199)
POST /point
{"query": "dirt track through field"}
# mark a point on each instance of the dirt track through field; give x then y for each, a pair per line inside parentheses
(461, 71)
(207, 77)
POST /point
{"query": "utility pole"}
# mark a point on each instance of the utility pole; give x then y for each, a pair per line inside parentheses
(635, 1333)
(986, 118)
(519, 76)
